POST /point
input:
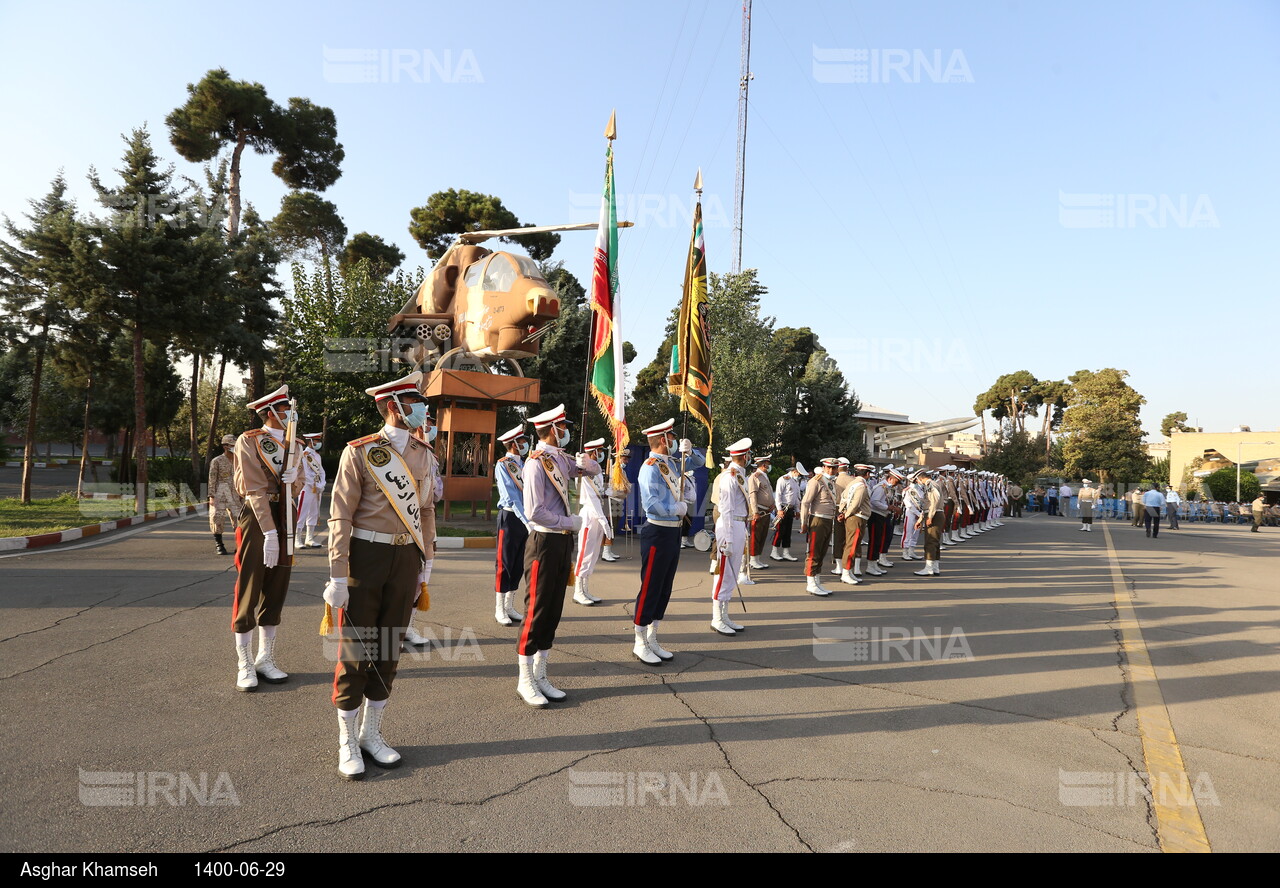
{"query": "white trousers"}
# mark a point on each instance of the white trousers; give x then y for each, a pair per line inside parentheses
(730, 558)
(310, 511)
(590, 542)
(910, 533)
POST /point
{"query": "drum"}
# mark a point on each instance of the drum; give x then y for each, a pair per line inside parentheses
(703, 540)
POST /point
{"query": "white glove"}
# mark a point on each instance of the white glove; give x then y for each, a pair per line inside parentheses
(577, 522)
(682, 509)
(424, 575)
(686, 446)
(270, 549)
(581, 460)
(289, 475)
(336, 594)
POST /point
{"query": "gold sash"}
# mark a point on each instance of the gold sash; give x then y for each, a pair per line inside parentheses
(557, 479)
(510, 466)
(389, 470)
(271, 452)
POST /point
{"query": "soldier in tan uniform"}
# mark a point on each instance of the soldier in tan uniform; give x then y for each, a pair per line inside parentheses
(931, 520)
(223, 500)
(760, 506)
(818, 510)
(855, 507)
(843, 480)
(1089, 497)
(381, 538)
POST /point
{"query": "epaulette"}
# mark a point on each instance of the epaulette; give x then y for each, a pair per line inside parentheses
(365, 440)
(253, 433)
(651, 461)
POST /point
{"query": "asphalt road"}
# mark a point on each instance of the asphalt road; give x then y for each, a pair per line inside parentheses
(117, 657)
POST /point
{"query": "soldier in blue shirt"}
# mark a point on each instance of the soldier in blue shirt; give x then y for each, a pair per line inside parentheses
(665, 500)
(513, 527)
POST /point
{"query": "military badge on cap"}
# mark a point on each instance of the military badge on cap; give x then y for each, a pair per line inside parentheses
(660, 429)
(593, 445)
(406, 386)
(740, 446)
(508, 437)
(551, 417)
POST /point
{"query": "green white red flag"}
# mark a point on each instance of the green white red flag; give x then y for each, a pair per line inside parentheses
(606, 336)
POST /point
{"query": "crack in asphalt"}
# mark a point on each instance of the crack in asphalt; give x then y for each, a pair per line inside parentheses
(943, 791)
(100, 602)
(456, 803)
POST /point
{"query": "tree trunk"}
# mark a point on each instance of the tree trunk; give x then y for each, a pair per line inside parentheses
(195, 404)
(84, 449)
(233, 190)
(213, 449)
(29, 445)
(139, 424)
(983, 416)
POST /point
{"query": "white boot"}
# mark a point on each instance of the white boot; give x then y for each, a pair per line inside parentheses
(265, 665)
(757, 564)
(776, 554)
(246, 675)
(311, 537)
(411, 635)
(1083, 527)
(724, 612)
(787, 556)
(717, 619)
(927, 570)
(509, 605)
(884, 560)
(350, 761)
(857, 566)
(641, 651)
(607, 553)
(937, 568)
(873, 569)
(848, 578)
(652, 637)
(550, 691)
(835, 571)
(500, 610)
(527, 686)
(299, 540)
(580, 593)
(371, 737)
(685, 544)
(814, 586)
(744, 579)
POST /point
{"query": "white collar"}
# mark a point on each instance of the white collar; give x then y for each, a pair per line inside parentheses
(550, 448)
(399, 438)
(278, 434)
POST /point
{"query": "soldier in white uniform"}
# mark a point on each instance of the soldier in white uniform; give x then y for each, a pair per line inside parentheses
(786, 494)
(731, 535)
(313, 482)
(595, 525)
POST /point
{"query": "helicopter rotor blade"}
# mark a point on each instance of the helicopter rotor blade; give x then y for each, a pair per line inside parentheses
(475, 237)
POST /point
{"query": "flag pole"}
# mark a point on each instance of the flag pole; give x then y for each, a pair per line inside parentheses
(610, 133)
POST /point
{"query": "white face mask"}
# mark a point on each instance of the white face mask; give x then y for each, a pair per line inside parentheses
(562, 438)
(523, 448)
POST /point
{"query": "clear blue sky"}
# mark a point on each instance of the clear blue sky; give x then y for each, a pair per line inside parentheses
(936, 234)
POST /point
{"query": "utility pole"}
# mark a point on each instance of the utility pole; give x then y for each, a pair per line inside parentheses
(744, 78)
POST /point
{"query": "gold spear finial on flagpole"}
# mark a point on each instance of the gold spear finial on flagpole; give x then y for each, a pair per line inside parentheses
(611, 131)
(697, 183)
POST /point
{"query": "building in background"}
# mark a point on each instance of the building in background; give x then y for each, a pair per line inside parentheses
(1219, 450)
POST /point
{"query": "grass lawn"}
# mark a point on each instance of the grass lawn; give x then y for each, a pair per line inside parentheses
(64, 512)
(446, 531)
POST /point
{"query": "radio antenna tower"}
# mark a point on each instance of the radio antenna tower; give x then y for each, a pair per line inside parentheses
(744, 80)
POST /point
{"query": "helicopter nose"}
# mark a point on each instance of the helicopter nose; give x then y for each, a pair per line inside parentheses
(544, 303)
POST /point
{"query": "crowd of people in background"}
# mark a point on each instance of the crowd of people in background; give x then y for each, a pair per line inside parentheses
(1062, 501)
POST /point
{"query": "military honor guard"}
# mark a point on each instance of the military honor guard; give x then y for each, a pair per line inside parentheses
(931, 521)
(267, 467)
(843, 479)
(855, 509)
(760, 507)
(911, 507)
(818, 508)
(619, 494)
(786, 494)
(381, 537)
(880, 530)
(665, 500)
(1089, 497)
(548, 556)
(513, 525)
(313, 482)
(732, 514)
(224, 502)
(596, 529)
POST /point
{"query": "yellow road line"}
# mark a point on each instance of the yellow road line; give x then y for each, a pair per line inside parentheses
(1178, 823)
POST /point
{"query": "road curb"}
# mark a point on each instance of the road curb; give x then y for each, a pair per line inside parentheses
(76, 533)
(466, 542)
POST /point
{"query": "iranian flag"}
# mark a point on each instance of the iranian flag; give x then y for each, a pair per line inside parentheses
(606, 329)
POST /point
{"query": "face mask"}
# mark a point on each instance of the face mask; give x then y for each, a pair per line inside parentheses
(286, 417)
(316, 445)
(562, 438)
(416, 416)
(431, 434)
(523, 448)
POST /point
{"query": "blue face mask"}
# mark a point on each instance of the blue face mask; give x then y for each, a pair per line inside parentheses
(431, 434)
(416, 416)
(523, 448)
(562, 439)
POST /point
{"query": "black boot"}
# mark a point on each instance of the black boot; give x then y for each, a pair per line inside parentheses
(219, 548)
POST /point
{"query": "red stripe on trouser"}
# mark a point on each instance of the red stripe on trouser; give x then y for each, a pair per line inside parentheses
(337, 670)
(235, 595)
(497, 583)
(808, 562)
(532, 585)
(753, 538)
(644, 586)
(715, 594)
(582, 551)
(853, 548)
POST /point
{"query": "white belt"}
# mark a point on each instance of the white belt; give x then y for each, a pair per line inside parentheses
(540, 529)
(394, 539)
(660, 522)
